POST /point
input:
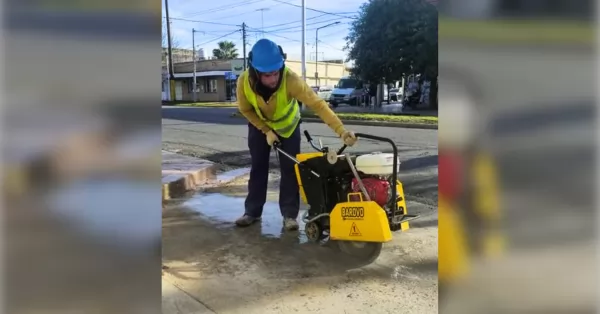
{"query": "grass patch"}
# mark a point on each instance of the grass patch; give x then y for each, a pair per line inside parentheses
(412, 119)
(518, 31)
(380, 117)
(210, 104)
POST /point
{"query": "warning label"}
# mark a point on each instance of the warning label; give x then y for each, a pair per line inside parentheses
(354, 232)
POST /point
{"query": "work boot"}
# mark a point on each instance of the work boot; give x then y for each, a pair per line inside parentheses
(290, 224)
(246, 221)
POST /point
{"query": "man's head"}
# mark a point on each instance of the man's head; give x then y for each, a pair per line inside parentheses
(269, 79)
(267, 58)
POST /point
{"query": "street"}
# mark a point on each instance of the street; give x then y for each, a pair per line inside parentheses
(262, 269)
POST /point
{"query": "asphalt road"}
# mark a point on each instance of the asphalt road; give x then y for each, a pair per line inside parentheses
(211, 133)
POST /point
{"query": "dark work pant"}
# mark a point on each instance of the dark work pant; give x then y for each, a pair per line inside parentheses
(289, 196)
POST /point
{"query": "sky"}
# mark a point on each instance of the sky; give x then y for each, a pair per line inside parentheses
(278, 20)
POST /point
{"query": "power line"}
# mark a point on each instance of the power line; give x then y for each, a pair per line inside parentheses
(240, 14)
(224, 7)
(215, 39)
(329, 34)
(330, 46)
(298, 21)
(205, 22)
(307, 8)
(295, 40)
(295, 27)
(276, 35)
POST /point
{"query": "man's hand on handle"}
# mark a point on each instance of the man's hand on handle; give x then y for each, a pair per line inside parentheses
(349, 138)
(272, 137)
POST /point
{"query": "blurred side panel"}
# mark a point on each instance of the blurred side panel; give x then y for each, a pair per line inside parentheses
(517, 133)
(81, 153)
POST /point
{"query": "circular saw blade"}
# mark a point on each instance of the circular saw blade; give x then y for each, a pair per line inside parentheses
(332, 157)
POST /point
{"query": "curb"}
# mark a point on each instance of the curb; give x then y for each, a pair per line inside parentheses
(174, 185)
(191, 174)
(181, 174)
(371, 123)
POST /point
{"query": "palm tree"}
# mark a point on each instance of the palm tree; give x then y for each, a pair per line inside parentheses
(226, 51)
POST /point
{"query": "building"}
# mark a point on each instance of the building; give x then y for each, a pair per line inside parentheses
(183, 55)
(200, 54)
(215, 84)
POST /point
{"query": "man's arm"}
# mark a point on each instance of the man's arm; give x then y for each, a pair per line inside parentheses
(301, 91)
(246, 109)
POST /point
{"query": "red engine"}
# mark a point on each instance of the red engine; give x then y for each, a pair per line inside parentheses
(379, 190)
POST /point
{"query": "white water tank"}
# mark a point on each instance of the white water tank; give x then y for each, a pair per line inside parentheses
(376, 163)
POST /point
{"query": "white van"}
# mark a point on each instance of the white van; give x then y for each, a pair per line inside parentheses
(347, 91)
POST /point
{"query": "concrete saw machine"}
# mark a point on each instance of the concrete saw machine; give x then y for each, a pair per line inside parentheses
(355, 201)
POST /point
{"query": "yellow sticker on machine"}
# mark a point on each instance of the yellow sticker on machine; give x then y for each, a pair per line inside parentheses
(354, 232)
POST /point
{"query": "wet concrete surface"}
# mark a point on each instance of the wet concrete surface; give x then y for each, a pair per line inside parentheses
(262, 269)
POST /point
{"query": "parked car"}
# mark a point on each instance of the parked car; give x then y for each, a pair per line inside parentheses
(348, 90)
(395, 94)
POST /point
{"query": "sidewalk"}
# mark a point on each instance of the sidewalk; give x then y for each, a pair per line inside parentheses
(175, 301)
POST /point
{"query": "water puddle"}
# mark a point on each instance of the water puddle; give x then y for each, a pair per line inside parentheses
(223, 210)
(232, 174)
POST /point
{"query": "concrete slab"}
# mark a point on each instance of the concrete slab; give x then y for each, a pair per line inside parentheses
(175, 301)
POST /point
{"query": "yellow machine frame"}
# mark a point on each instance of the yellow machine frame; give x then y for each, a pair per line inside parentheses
(361, 221)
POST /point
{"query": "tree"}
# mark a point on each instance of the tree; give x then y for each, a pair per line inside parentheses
(174, 40)
(394, 38)
(226, 51)
(165, 43)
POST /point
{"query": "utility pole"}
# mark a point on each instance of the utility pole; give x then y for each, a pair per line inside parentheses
(170, 56)
(244, 43)
(194, 56)
(304, 40)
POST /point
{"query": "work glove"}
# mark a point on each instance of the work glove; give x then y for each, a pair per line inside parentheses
(349, 138)
(272, 137)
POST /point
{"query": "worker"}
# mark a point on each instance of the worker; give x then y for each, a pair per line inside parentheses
(268, 93)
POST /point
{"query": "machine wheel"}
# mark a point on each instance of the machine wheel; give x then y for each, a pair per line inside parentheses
(313, 231)
(363, 251)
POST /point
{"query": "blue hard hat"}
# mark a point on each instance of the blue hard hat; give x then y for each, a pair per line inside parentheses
(266, 56)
